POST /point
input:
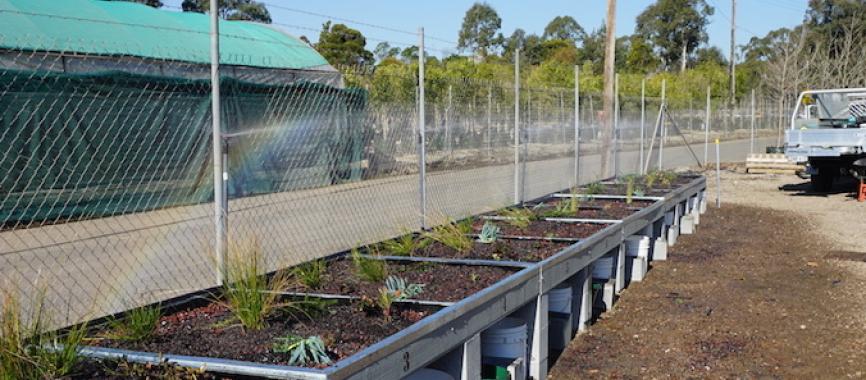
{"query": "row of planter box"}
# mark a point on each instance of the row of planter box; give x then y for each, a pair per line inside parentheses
(500, 309)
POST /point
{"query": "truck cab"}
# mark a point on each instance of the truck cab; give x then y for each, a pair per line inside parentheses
(828, 134)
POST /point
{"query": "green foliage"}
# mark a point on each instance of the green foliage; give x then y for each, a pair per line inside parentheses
(384, 302)
(676, 28)
(489, 233)
(400, 290)
(453, 235)
(594, 188)
(247, 10)
(519, 217)
(310, 274)
(302, 351)
(405, 245)
(564, 208)
(629, 189)
(564, 28)
(138, 324)
(479, 30)
(312, 307)
(367, 269)
(342, 45)
(27, 349)
(248, 293)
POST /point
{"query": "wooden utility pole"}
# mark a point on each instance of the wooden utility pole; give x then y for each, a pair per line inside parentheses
(609, 67)
(732, 63)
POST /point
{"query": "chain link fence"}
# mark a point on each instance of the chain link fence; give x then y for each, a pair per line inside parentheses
(106, 193)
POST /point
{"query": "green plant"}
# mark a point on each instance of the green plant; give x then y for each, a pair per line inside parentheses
(400, 290)
(519, 217)
(667, 178)
(27, 349)
(310, 274)
(489, 233)
(650, 179)
(405, 245)
(594, 188)
(302, 351)
(139, 324)
(384, 302)
(367, 269)
(247, 293)
(629, 190)
(565, 208)
(312, 307)
(452, 235)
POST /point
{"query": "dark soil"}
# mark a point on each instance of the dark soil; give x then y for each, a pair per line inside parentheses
(444, 283)
(346, 328)
(501, 249)
(749, 296)
(122, 370)
(598, 208)
(657, 190)
(541, 228)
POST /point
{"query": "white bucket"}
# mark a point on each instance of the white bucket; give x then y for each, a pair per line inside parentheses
(603, 268)
(559, 299)
(637, 246)
(505, 339)
(428, 374)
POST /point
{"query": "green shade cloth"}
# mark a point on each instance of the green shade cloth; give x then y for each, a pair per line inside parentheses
(131, 29)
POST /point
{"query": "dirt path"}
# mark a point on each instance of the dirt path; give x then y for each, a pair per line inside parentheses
(757, 293)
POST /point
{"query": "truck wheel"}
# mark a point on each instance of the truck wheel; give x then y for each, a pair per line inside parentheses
(823, 181)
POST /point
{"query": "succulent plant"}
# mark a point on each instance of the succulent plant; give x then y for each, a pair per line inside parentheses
(302, 351)
(489, 233)
(400, 289)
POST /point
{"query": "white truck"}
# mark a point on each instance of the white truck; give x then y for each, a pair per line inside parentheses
(828, 133)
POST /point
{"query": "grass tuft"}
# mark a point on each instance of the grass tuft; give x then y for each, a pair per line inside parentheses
(138, 324)
(406, 245)
(453, 235)
(518, 217)
(310, 274)
(367, 269)
(248, 293)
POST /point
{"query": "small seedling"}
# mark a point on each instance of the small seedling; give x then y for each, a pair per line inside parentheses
(518, 217)
(595, 188)
(489, 233)
(139, 324)
(667, 178)
(474, 277)
(303, 351)
(629, 190)
(405, 245)
(452, 235)
(384, 302)
(650, 179)
(371, 270)
(310, 274)
(639, 192)
(400, 290)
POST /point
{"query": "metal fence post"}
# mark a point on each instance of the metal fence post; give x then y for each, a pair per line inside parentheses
(489, 118)
(422, 131)
(220, 212)
(616, 131)
(576, 125)
(662, 134)
(517, 126)
(642, 123)
(752, 134)
(707, 127)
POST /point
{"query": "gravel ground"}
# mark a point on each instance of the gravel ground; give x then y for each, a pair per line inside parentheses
(769, 287)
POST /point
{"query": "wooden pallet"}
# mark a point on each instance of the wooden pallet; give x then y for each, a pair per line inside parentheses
(771, 163)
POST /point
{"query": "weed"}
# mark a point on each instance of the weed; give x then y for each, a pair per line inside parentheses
(453, 235)
(518, 217)
(595, 188)
(405, 245)
(303, 351)
(27, 350)
(400, 290)
(367, 269)
(489, 233)
(247, 293)
(139, 324)
(310, 274)
(474, 277)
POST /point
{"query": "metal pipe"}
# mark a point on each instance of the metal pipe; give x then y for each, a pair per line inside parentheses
(662, 133)
(707, 126)
(642, 124)
(517, 126)
(422, 131)
(576, 125)
(219, 173)
(616, 131)
(752, 134)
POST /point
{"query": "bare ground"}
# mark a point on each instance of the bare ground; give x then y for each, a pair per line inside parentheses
(771, 286)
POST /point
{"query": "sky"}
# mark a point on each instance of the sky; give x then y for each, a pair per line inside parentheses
(394, 20)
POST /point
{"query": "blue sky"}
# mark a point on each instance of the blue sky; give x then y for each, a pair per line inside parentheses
(441, 19)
